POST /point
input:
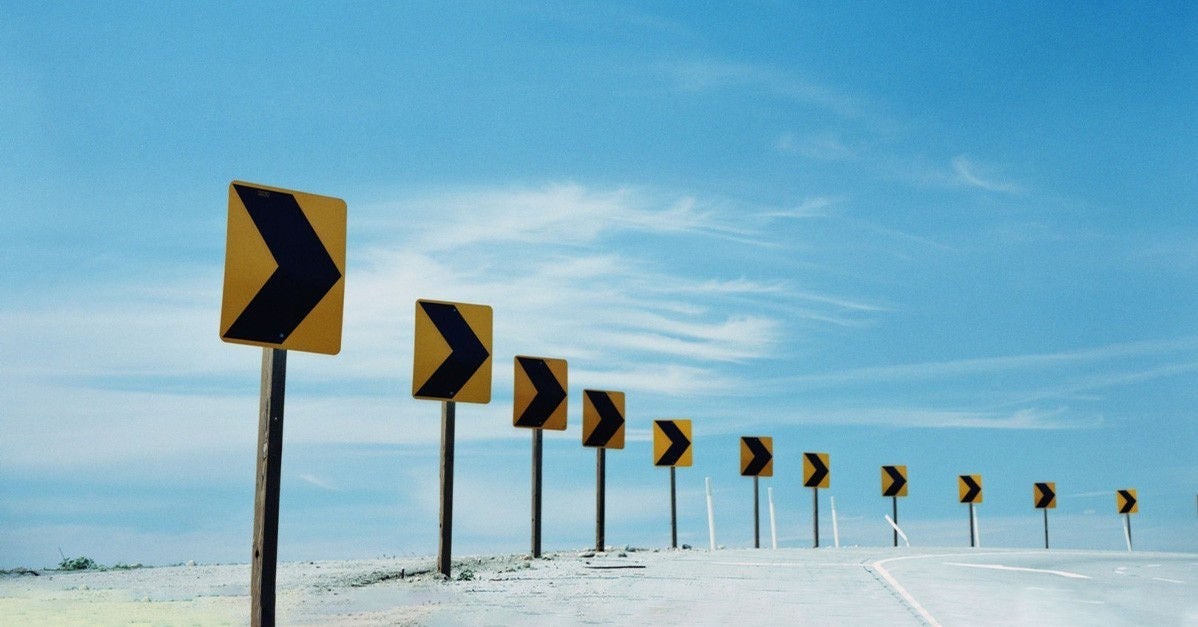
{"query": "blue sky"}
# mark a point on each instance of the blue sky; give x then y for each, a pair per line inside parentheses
(961, 238)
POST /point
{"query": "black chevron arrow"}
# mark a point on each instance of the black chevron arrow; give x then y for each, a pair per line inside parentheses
(610, 419)
(466, 355)
(897, 481)
(679, 443)
(761, 456)
(1129, 502)
(1046, 495)
(305, 271)
(974, 489)
(550, 393)
(818, 470)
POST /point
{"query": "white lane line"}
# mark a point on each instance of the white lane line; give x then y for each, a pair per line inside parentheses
(1059, 573)
(1167, 580)
(790, 564)
(902, 592)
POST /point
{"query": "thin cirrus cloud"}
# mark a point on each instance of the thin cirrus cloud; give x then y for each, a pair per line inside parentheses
(1032, 361)
(559, 213)
(940, 418)
(971, 174)
(708, 75)
(553, 258)
(1083, 378)
(817, 207)
(820, 146)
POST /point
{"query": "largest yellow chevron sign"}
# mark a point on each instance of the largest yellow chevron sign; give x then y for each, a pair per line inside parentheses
(284, 269)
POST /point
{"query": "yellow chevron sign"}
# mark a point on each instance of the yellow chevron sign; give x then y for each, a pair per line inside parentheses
(969, 488)
(756, 456)
(1044, 495)
(539, 401)
(602, 419)
(672, 443)
(452, 356)
(1126, 502)
(816, 472)
(894, 481)
(284, 269)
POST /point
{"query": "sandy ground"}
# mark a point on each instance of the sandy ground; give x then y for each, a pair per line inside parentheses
(852, 586)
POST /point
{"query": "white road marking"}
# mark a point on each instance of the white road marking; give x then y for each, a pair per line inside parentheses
(902, 592)
(789, 564)
(911, 602)
(1168, 580)
(1059, 573)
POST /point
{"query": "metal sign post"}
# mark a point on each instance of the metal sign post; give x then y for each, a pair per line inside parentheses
(599, 498)
(536, 492)
(756, 517)
(815, 514)
(673, 511)
(266, 487)
(445, 546)
(894, 516)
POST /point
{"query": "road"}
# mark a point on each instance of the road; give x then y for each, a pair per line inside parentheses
(849, 586)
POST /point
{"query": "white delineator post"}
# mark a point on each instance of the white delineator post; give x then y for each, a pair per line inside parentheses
(898, 532)
(835, 527)
(710, 515)
(977, 535)
(773, 522)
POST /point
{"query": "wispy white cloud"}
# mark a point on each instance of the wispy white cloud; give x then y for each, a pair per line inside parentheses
(558, 214)
(707, 75)
(821, 147)
(311, 479)
(930, 417)
(960, 172)
(965, 367)
(1090, 495)
(816, 207)
(972, 174)
(920, 242)
(843, 303)
(550, 262)
(1077, 386)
